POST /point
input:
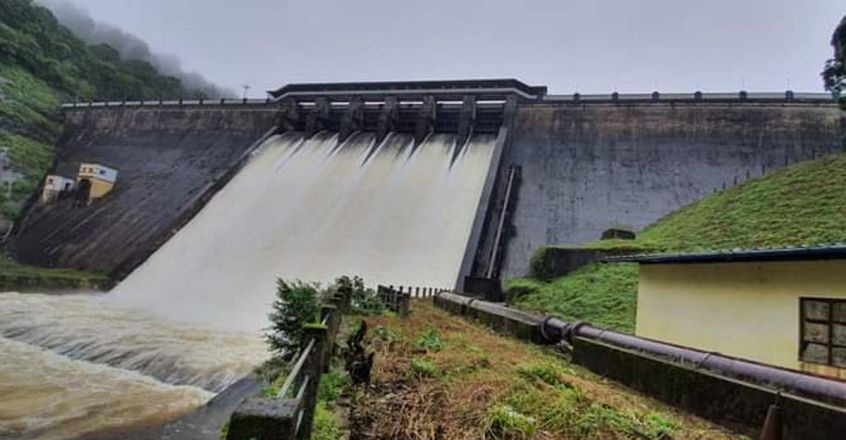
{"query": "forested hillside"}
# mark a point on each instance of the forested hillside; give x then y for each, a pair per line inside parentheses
(42, 64)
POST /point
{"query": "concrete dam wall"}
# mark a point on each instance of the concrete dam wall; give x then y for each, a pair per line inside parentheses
(587, 167)
(168, 159)
(563, 169)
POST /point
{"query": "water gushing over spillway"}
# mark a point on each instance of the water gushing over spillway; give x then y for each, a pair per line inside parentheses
(313, 209)
(187, 322)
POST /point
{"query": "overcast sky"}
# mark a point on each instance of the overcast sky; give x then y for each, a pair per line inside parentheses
(590, 46)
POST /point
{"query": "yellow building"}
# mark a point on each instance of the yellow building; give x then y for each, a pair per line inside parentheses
(784, 307)
(95, 181)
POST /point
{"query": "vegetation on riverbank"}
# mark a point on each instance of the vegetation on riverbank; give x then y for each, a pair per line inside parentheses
(16, 276)
(438, 376)
(804, 204)
(296, 308)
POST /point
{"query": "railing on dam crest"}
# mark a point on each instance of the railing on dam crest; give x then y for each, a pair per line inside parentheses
(170, 103)
(654, 97)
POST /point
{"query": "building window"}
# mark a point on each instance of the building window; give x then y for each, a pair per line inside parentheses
(823, 331)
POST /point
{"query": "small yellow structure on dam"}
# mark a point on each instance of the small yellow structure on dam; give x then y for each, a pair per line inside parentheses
(95, 181)
(784, 307)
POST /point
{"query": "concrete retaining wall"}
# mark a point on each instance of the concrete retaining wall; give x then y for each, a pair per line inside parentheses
(738, 405)
(553, 261)
(586, 167)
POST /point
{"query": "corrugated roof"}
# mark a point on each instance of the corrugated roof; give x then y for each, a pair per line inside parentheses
(809, 253)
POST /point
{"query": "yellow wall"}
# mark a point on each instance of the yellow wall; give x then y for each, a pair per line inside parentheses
(746, 310)
(99, 188)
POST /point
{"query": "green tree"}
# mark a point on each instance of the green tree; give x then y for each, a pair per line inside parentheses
(834, 74)
(364, 300)
(297, 303)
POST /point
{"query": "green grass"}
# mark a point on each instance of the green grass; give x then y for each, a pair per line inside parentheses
(11, 269)
(804, 204)
(504, 422)
(423, 368)
(480, 385)
(604, 295)
(430, 340)
(332, 384)
(570, 411)
(326, 425)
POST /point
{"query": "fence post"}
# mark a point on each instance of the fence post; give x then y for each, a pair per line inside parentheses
(312, 369)
(263, 417)
(332, 325)
(346, 299)
(404, 305)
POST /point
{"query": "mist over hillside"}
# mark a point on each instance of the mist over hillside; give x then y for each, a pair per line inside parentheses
(128, 46)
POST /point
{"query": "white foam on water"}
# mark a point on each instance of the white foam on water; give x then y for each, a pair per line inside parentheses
(94, 329)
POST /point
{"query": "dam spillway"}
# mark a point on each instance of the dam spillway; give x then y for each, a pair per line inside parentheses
(314, 208)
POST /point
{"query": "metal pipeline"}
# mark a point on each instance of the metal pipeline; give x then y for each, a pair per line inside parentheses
(815, 387)
(555, 330)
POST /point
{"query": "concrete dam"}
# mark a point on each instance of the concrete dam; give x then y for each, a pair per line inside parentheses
(417, 183)
(575, 165)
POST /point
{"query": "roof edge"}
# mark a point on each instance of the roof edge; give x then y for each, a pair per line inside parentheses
(811, 253)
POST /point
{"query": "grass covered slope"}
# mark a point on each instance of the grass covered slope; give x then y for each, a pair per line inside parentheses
(605, 295)
(804, 204)
(439, 376)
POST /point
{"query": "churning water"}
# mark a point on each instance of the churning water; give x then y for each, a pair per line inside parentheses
(186, 323)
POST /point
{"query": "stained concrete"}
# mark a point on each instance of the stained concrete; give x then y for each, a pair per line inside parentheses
(588, 167)
(167, 159)
(585, 167)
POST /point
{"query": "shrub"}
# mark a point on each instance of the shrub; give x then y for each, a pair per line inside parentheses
(430, 340)
(364, 300)
(503, 422)
(297, 303)
(325, 424)
(547, 372)
(423, 368)
(331, 386)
